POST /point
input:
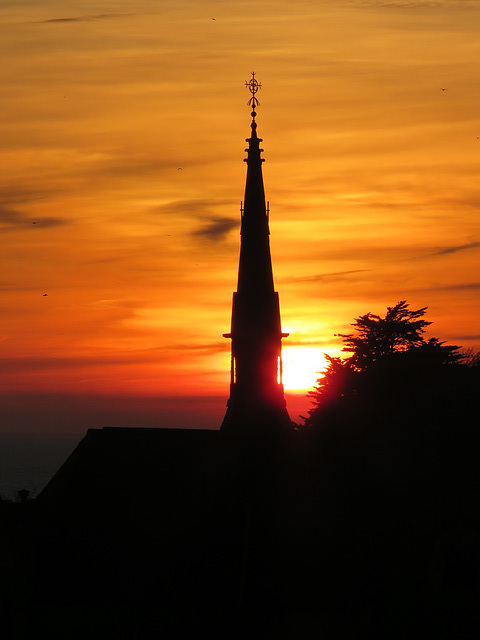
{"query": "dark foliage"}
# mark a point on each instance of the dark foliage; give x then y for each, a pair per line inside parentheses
(400, 330)
(394, 376)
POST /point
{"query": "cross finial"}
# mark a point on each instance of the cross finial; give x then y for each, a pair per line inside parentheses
(253, 85)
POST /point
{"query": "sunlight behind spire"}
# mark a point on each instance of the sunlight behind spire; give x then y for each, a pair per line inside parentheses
(302, 366)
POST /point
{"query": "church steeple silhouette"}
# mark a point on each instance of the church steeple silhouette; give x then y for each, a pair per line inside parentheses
(257, 399)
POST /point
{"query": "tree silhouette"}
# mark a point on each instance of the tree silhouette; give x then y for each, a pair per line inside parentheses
(392, 373)
(401, 329)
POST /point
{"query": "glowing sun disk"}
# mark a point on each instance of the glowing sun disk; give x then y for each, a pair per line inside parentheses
(302, 366)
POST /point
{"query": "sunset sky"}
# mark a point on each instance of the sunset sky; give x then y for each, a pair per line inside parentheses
(123, 133)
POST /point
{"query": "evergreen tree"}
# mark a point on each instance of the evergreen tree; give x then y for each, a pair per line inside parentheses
(392, 371)
(400, 330)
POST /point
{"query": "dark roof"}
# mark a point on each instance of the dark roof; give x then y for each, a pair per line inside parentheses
(197, 528)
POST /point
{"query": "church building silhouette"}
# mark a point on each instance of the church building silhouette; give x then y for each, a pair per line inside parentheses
(254, 530)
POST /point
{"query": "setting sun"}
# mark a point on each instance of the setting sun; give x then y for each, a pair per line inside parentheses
(302, 366)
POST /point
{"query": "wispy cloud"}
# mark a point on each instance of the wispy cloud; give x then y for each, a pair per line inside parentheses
(45, 363)
(294, 340)
(443, 251)
(154, 355)
(14, 194)
(335, 275)
(213, 227)
(12, 215)
(125, 165)
(461, 286)
(216, 229)
(12, 219)
(387, 198)
(210, 348)
(414, 4)
(193, 208)
(87, 18)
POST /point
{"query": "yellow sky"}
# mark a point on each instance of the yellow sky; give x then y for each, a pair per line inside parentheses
(123, 127)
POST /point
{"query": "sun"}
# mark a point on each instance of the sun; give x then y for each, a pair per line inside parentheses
(302, 366)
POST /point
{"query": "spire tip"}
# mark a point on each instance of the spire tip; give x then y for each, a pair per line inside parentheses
(253, 86)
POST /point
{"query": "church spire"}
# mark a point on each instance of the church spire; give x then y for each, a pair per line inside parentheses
(256, 390)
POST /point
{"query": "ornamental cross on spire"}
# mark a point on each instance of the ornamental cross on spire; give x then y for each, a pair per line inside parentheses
(253, 86)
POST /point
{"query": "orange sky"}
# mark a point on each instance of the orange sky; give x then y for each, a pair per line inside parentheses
(371, 172)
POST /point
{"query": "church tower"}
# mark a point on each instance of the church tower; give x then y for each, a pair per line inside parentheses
(257, 399)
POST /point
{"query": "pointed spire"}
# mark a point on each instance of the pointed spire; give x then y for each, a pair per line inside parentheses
(255, 269)
(254, 86)
(256, 391)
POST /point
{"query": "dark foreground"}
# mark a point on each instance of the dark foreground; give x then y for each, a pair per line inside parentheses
(147, 533)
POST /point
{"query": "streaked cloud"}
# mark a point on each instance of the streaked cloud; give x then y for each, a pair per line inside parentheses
(458, 286)
(216, 229)
(85, 18)
(14, 219)
(334, 276)
(443, 251)
(414, 4)
(196, 207)
(125, 165)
